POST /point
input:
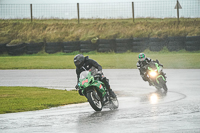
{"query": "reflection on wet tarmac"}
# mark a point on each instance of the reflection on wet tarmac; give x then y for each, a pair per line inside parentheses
(153, 98)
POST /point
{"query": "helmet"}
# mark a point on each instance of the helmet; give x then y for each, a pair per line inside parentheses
(79, 60)
(141, 57)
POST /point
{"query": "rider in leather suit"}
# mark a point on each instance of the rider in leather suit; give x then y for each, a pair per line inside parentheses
(85, 63)
(141, 65)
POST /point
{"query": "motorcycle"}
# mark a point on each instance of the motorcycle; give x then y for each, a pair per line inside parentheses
(156, 76)
(95, 91)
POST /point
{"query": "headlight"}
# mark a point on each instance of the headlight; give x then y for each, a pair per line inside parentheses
(152, 73)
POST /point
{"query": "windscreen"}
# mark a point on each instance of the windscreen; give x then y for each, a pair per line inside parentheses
(93, 71)
(152, 65)
(84, 74)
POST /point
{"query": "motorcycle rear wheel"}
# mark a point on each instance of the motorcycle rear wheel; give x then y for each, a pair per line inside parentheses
(94, 101)
(114, 103)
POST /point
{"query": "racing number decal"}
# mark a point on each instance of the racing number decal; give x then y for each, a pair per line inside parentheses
(100, 86)
(85, 81)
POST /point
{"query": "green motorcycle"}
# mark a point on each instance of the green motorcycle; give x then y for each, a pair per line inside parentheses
(95, 91)
(156, 76)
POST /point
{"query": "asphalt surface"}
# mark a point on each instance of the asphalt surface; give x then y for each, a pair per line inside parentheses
(140, 110)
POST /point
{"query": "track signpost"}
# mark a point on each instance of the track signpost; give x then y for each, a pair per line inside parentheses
(178, 6)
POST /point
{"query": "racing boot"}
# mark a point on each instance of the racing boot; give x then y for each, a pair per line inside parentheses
(150, 84)
(164, 74)
(106, 82)
(112, 94)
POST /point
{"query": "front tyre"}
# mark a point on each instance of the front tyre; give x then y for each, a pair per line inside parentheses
(162, 84)
(94, 100)
(165, 88)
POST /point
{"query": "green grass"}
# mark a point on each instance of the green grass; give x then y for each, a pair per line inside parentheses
(20, 99)
(171, 60)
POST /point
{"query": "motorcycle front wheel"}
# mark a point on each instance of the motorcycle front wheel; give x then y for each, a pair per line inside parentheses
(165, 88)
(163, 84)
(94, 100)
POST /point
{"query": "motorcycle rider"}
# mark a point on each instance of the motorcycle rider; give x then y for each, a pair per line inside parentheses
(141, 65)
(85, 63)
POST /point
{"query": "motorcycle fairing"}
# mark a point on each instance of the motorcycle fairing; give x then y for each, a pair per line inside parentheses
(159, 77)
(89, 81)
(158, 69)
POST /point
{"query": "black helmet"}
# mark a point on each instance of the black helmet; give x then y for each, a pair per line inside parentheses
(141, 57)
(79, 60)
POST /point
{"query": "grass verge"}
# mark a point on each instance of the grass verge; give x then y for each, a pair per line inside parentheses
(171, 60)
(53, 30)
(20, 99)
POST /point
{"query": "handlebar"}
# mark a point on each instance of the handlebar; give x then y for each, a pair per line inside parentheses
(98, 75)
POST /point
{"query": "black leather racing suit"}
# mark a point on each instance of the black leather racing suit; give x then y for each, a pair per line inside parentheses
(87, 65)
(141, 66)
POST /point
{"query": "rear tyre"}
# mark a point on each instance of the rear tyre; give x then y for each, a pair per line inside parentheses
(114, 103)
(94, 100)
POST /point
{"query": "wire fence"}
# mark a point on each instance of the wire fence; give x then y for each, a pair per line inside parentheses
(141, 9)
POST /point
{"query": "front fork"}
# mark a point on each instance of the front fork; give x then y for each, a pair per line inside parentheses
(106, 98)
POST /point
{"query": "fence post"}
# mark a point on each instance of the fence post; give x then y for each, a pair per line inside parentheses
(78, 11)
(133, 10)
(177, 10)
(31, 12)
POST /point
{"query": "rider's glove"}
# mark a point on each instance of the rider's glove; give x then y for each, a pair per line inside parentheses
(100, 72)
(77, 87)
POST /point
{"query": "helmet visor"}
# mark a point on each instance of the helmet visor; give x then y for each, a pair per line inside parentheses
(77, 63)
(141, 59)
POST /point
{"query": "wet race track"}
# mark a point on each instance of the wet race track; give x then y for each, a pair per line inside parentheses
(141, 109)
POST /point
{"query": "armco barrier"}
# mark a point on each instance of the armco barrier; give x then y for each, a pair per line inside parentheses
(189, 43)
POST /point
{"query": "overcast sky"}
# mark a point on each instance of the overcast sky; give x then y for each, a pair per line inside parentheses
(70, 1)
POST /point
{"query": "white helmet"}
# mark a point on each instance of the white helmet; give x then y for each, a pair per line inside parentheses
(141, 57)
